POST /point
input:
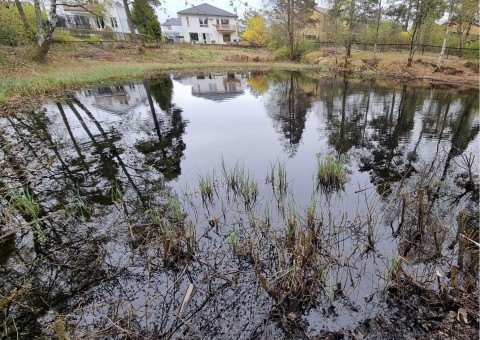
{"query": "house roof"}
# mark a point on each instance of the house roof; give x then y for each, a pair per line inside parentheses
(173, 22)
(206, 9)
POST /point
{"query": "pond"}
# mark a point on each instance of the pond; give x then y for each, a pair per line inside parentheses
(233, 205)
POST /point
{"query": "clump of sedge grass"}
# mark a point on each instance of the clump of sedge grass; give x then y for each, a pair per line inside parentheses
(116, 191)
(330, 171)
(205, 184)
(25, 202)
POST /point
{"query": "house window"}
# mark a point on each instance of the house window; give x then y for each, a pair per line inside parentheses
(224, 21)
(99, 22)
(169, 28)
(203, 22)
(188, 22)
(113, 22)
(212, 87)
(194, 36)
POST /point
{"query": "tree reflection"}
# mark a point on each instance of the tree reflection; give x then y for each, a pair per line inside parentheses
(110, 273)
(164, 150)
(387, 163)
(258, 83)
(346, 122)
(287, 104)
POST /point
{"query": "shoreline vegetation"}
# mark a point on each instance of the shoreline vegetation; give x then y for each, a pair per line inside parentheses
(74, 67)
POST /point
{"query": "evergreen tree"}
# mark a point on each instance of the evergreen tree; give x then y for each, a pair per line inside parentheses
(145, 19)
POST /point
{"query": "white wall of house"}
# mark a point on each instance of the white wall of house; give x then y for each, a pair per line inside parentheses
(209, 29)
(117, 12)
(222, 83)
(115, 19)
(173, 32)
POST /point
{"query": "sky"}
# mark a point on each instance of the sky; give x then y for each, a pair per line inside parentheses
(170, 8)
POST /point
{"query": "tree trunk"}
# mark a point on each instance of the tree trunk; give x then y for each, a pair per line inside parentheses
(44, 47)
(447, 32)
(421, 12)
(379, 14)
(407, 16)
(351, 26)
(463, 38)
(25, 22)
(291, 44)
(38, 17)
(131, 27)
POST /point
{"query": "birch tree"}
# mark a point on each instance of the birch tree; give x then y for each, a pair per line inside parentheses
(447, 33)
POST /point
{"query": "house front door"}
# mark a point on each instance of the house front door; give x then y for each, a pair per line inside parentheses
(206, 38)
(226, 38)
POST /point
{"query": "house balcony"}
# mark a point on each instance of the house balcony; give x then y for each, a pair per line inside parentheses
(226, 28)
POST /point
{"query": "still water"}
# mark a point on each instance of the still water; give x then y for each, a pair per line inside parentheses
(109, 228)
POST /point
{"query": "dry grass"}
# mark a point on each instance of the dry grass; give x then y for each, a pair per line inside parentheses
(73, 67)
(393, 64)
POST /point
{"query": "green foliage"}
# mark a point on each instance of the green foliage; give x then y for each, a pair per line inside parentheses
(282, 53)
(389, 32)
(25, 202)
(64, 35)
(277, 37)
(3, 58)
(432, 33)
(302, 48)
(330, 171)
(305, 46)
(94, 37)
(145, 19)
(472, 54)
(12, 31)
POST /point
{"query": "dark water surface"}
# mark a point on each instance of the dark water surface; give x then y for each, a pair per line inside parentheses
(116, 200)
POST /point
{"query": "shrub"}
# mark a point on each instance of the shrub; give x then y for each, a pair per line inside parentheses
(12, 31)
(305, 46)
(472, 54)
(282, 53)
(64, 36)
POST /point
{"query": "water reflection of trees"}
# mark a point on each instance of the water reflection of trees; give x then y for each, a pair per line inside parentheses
(62, 199)
(165, 149)
(287, 104)
(94, 263)
(414, 144)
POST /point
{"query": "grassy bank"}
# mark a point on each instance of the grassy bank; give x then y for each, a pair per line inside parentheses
(72, 67)
(58, 80)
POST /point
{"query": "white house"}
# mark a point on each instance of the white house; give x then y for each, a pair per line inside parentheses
(215, 86)
(173, 30)
(116, 99)
(114, 20)
(207, 24)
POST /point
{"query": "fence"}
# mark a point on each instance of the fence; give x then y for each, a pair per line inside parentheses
(457, 51)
